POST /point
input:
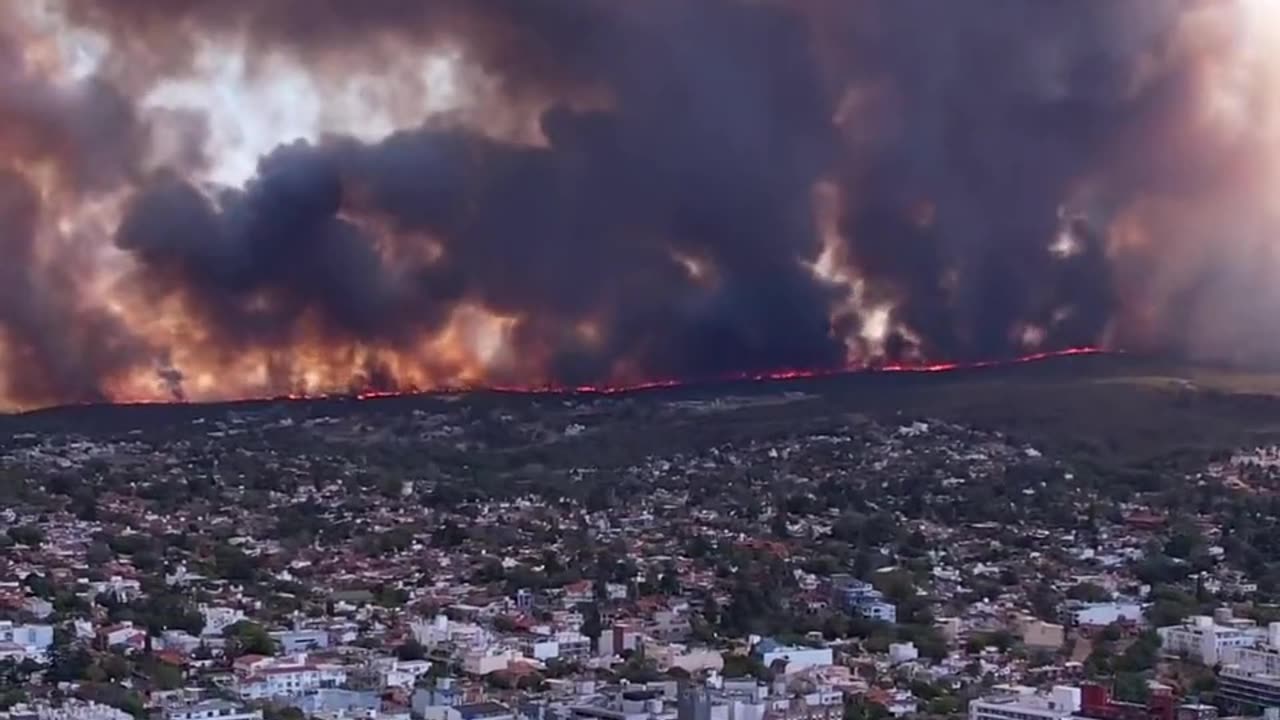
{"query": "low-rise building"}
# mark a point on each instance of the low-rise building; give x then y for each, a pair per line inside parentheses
(25, 642)
(903, 653)
(563, 646)
(211, 710)
(860, 598)
(218, 619)
(1040, 634)
(295, 641)
(1102, 614)
(269, 678)
(489, 660)
(1023, 703)
(795, 657)
(1203, 639)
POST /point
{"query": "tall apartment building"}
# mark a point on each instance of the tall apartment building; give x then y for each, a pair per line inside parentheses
(1250, 676)
(1205, 639)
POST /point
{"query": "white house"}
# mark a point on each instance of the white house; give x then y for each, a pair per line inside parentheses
(691, 660)
(565, 646)
(405, 673)
(489, 660)
(25, 642)
(443, 630)
(218, 619)
(796, 657)
(1105, 613)
(266, 678)
(1022, 703)
(903, 653)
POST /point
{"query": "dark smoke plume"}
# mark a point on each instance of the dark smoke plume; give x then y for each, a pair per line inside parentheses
(990, 160)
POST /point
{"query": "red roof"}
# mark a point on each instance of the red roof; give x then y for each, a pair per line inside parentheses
(172, 657)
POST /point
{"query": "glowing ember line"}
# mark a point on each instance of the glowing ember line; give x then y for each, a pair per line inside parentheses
(775, 375)
(606, 390)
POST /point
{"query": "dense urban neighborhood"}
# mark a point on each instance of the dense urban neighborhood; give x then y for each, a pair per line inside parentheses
(768, 553)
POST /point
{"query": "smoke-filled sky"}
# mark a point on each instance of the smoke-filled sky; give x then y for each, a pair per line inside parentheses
(222, 198)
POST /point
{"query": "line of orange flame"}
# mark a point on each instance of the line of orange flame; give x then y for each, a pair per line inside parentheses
(775, 375)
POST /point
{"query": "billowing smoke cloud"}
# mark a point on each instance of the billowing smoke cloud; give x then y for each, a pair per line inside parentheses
(621, 191)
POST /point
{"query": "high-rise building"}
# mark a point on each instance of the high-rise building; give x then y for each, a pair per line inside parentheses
(1250, 676)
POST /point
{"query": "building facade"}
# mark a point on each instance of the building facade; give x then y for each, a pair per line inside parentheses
(25, 642)
(1020, 703)
(860, 598)
(1205, 640)
(212, 710)
(1250, 676)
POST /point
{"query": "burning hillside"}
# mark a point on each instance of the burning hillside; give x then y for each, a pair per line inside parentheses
(364, 395)
(206, 199)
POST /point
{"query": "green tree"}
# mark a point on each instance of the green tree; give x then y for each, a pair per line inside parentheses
(1141, 655)
(1171, 606)
(1089, 592)
(11, 696)
(1131, 687)
(1185, 540)
(165, 676)
(863, 709)
(249, 638)
(29, 535)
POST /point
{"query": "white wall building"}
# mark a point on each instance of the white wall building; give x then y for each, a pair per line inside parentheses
(903, 653)
(691, 660)
(1105, 613)
(483, 662)
(1251, 675)
(218, 619)
(564, 646)
(25, 642)
(796, 658)
(405, 673)
(1204, 640)
(442, 630)
(1023, 703)
(279, 680)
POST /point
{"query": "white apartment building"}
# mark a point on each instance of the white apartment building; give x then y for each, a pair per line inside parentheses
(279, 681)
(1251, 675)
(566, 646)
(441, 630)
(1204, 639)
(1023, 703)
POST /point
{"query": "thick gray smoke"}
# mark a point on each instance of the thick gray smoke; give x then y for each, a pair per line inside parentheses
(984, 154)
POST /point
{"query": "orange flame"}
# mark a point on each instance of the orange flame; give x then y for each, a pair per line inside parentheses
(663, 384)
